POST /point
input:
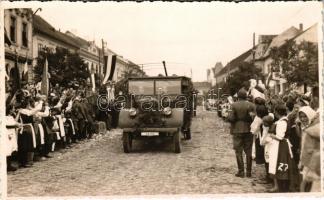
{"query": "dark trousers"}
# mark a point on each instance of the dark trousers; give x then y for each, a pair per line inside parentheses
(243, 142)
(82, 129)
(90, 129)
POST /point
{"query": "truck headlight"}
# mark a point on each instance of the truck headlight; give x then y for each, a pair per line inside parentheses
(167, 111)
(132, 112)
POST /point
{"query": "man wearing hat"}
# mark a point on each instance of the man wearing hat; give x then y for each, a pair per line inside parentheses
(241, 119)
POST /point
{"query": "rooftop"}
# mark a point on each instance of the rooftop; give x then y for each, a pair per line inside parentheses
(43, 27)
(235, 62)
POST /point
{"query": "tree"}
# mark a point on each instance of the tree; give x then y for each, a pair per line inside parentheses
(296, 62)
(235, 80)
(65, 68)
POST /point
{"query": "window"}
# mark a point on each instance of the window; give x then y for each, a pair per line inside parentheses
(24, 35)
(141, 87)
(40, 47)
(13, 29)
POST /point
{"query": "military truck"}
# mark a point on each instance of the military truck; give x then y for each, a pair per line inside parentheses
(157, 107)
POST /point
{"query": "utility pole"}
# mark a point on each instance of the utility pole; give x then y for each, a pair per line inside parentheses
(103, 55)
(99, 67)
(253, 49)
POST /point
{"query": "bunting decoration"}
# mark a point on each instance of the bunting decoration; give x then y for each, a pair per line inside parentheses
(110, 64)
(268, 79)
(92, 77)
(17, 81)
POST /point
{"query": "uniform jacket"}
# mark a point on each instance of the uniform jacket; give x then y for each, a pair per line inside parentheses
(78, 112)
(240, 116)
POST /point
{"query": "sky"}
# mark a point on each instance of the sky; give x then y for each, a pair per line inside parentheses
(189, 37)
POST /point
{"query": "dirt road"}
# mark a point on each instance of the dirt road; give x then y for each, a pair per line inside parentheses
(99, 167)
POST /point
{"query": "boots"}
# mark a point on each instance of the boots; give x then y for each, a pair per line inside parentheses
(248, 166)
(10, 167)
(30, 159)
(240, 165)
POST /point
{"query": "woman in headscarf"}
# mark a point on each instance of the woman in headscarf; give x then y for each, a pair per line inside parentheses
(281, 164)
(27, 137)
(310, 150)
(256, 130)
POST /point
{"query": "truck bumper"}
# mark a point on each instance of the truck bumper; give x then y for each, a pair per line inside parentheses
(168, 130)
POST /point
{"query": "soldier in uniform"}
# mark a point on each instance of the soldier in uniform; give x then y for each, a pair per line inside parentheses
(79, 117)
(241, 118)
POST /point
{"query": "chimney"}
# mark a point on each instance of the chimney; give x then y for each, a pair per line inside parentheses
(301, 27)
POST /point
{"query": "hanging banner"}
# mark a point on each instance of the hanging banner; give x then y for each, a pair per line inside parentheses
(113, 66)
(110, 67)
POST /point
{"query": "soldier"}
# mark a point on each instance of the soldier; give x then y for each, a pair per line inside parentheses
(79, 117)
(241, 118)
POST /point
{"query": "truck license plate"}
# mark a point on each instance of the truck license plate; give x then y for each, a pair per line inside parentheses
(150, 134)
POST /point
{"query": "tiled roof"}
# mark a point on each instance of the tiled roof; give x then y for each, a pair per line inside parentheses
(314, 37)
(82, 42)
(43, 27)
(235, 62)
(282, 38)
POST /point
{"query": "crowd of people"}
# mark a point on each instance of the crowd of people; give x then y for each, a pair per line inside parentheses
(37, 125)
(280, 132)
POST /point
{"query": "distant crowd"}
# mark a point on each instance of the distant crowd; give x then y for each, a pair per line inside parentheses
(280, 132)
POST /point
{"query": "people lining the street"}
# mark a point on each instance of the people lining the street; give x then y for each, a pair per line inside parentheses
(37, 125)
(280, 131)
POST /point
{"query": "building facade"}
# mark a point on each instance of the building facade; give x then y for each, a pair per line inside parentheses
(211, 73)
(18, 25)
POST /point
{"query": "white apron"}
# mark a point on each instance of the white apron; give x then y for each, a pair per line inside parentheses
(41, 133)
(61, 125)
(11, 136)
(273, 148)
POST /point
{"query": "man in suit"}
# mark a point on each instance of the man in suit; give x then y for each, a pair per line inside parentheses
(241, 118)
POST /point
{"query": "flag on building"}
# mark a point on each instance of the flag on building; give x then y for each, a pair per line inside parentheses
(25, 73)
(268, 79)
(45, 80)
(110, 65)
(92, 77)
(16, 81)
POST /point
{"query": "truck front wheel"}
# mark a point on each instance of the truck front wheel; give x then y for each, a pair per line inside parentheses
(176, 142)
(127, 142)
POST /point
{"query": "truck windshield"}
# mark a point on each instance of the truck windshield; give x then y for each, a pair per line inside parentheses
(168, 87)
(141, 87)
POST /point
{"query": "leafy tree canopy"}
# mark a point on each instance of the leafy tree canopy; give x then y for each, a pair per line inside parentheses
(296, 62)
(65, 68)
